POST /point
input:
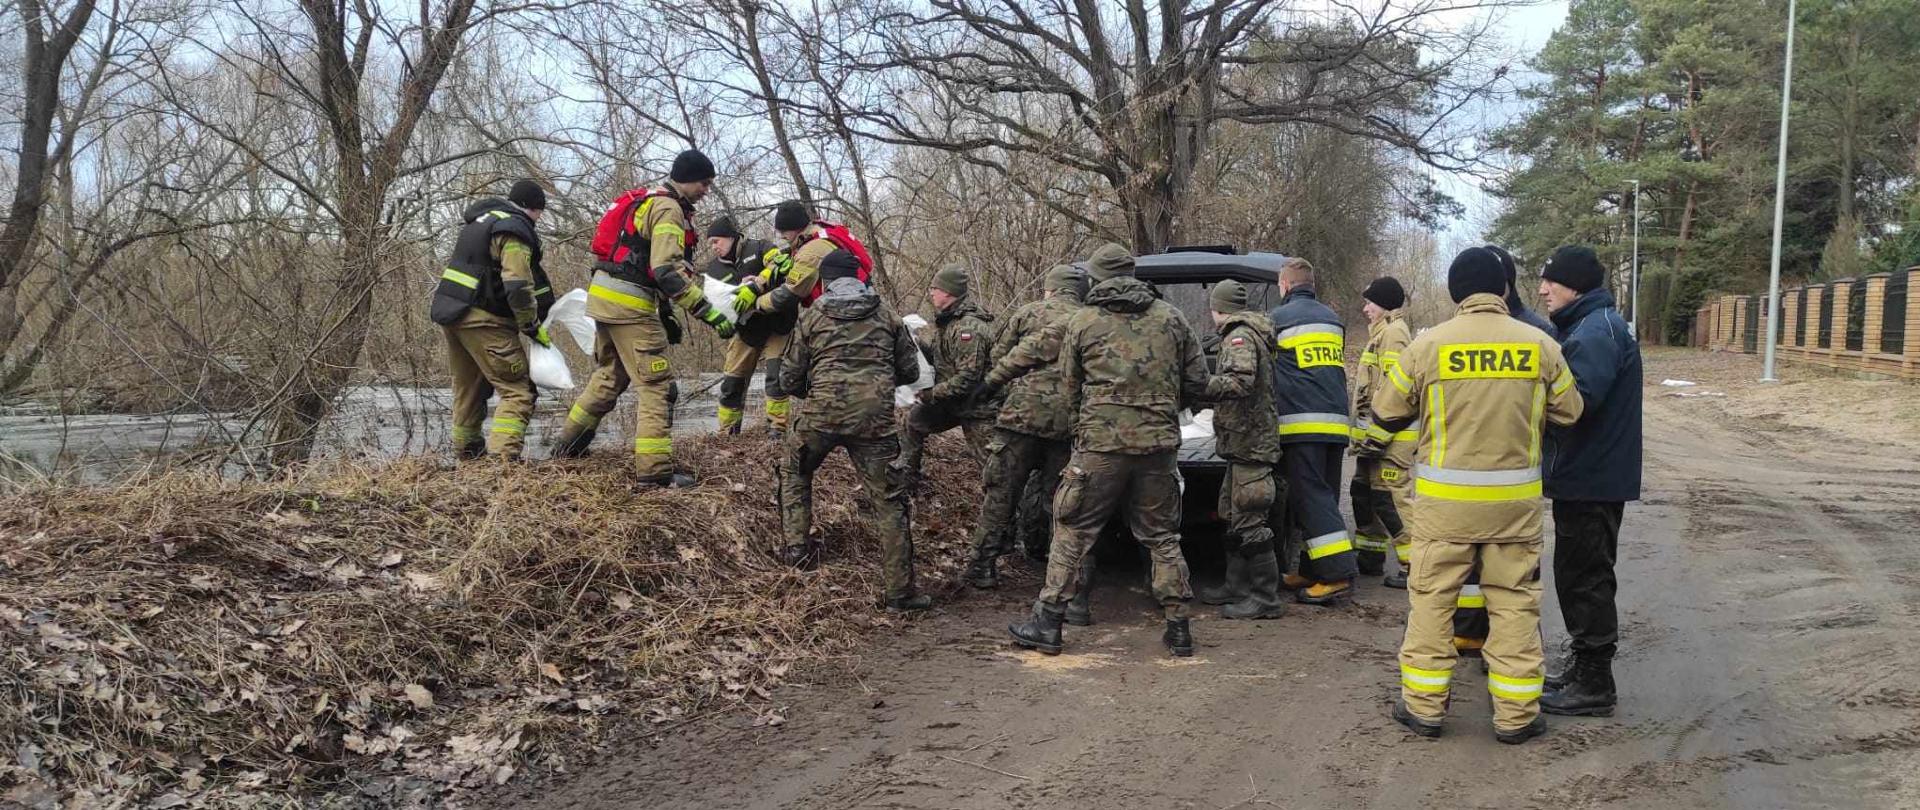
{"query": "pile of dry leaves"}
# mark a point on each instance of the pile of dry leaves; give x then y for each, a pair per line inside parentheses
(186, 641)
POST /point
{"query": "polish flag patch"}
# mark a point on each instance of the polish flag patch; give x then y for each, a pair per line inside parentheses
(1239, 341)
(966, 336)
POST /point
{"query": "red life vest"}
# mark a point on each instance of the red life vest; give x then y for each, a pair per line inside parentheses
(842, 239)
(615, 240)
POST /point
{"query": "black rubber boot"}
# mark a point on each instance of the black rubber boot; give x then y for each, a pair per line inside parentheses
(1413, 722)
(673, 480)
(1588, 694)
(572, 442)
(1396, 579)
(909, 604)
(1041, 632)
(1233, 588)
(1523, 733)
(471, 451)
(803, 556)
(1263, 591)
(1372, 563)
(982, 573)
(1179, 638)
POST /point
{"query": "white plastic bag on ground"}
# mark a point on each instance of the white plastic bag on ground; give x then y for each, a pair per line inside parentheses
(547, 366)
(569, 315)
(720, 295)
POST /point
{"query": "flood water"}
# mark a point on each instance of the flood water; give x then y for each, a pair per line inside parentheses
(369, 422)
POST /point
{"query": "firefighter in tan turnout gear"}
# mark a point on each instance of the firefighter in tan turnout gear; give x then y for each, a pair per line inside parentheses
(643, 245)
(492, 291)
(1381, 480)
(758, 265)
(1486, 386)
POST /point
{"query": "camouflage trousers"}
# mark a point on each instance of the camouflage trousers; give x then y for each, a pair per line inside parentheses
(1013, 458)
(1510, 579)
(1145, 490)
(485, 359)
(885, 490)
(1246, 501)
(923, 421)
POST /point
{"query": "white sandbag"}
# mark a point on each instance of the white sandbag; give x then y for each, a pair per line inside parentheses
(547, 366)
(903, 395)
(914, 322)
(720, 295)
(1199, 427)
(569, 315)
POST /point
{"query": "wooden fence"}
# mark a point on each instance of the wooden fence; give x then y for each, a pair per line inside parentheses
(1859, 324)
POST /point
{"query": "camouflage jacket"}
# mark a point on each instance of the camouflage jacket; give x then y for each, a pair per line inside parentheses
(962, 343)
(844, 359)
(1245, 424)
(1037, 404)
(1129, 361)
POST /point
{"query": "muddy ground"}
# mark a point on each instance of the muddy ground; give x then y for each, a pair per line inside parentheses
(1769, 588)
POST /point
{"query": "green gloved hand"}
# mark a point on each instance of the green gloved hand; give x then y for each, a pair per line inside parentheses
(744, 299)
(717, 320)
(537, 332)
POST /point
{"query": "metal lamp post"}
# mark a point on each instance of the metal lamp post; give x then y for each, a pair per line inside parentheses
(1779, 205)
(1634, 325)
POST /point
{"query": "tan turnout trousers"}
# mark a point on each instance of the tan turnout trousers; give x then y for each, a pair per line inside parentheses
(486, 357)
(1510, 580)
(632, 354)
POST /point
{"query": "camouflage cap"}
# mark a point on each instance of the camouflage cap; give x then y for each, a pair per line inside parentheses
(952, 280)
(1228, 297)
(1109, 261)
(1067, 278)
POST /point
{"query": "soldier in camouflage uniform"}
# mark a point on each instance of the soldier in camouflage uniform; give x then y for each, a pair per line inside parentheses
(959, 353)
(1130, 361)
(1034, 432)
(1246, 434)
(844, 359)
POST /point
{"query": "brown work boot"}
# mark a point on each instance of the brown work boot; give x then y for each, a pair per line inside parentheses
(1327, 593)
(1294, 582)
(1468, 647)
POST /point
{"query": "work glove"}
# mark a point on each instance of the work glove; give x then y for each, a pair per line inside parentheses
(718, 320)
(745, 297)
(538, 334)
(985, 391)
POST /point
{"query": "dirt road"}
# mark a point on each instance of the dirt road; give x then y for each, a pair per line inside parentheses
(1769, 585)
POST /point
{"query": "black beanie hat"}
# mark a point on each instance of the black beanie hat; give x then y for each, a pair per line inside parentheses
(691, 167)
(1506, 264)
(1476, 270)
(528, 195)
(1576, 267)
(838, 265)
(792, 215)
(724, 226)
(1386, 293)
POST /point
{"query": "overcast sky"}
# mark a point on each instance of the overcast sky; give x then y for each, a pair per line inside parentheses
(1525, 30)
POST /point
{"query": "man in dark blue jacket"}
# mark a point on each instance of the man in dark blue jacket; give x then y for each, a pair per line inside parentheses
(1593, 469)
(1310, 394)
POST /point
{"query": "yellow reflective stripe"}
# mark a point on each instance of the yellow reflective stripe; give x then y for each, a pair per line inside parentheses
(640, 213)
(1378, 432)
(1298, 428)
(1470, 598)
(1368, 358)
(516, 246)
(1366, 542)
(460, 278)
(1563, 382)
(729, 416)
(690, 297)
(581, 417)
(1408, 435)
(1328, 544)
(1357, 433)
(1389, 359)
(670, 232)
(465, 433)
(1468, 492)
(1437, 423)
(1534, 427)
(499, 214)
(1431, 681)
(1520, 689)
(1399, 379)
(620, 298)
(653, 447)
(1404, 551)
(779, 406)
(510, 427)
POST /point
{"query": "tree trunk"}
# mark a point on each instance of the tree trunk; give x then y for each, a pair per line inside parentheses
(776, 119)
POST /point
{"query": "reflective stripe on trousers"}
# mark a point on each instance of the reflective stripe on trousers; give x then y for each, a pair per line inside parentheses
(1328, 544)
(1520, 689)
(1431, 681)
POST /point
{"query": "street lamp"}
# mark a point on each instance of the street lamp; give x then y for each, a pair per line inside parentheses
(1634, 325)
(1779, 205)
